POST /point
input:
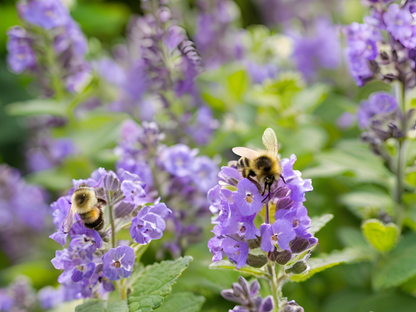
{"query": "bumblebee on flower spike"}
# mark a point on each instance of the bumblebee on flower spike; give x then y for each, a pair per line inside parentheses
(261, 167)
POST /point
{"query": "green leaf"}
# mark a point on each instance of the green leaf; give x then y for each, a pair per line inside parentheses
(381, 237)
(362, 203)
(319, 222)
(308, 99)
(352, 237)
(154, 283)
(398, 266)
(36, 107)
(182, 302)
(227, 265)
(237, 83)
(117, 306)
(336, 257)
(91, 305)
(215, 103)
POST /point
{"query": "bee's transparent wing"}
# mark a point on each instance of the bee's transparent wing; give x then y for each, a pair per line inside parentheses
(270, 141)
(245, 152)
(69, 220)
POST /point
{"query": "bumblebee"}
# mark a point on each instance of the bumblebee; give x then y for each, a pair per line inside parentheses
(88, 203)
(261, 167)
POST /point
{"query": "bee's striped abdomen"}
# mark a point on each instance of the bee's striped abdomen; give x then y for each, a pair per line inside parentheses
(93, 219)
(244, 164)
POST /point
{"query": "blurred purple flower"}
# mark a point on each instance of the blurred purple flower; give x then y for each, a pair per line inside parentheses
(50, 297)
(44, 13)
(178, 159)
(399, 23)
(321, 49)
(346, 120)
(378, 103)
(259, 73)
(21, 56)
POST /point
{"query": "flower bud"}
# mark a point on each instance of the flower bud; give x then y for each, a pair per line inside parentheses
(298, 268)
(292, 306)
(254, 243)
(256, 261)
(299, 244)
(283, 257)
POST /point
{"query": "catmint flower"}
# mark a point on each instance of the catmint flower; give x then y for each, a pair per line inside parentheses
(149, 223)
(280, 232)
(132, 188)
(346, 120)
(399, 25)
(247, 296)
(236, 202)
(261, 72)
(21, 55)
(22, 293)
(248, 198)
(44, 13)
(118, 263)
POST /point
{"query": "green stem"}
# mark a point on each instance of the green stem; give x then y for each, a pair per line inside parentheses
(274, 284)
(401, 213)
(113, 228)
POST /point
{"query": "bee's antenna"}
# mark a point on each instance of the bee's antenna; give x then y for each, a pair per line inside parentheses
(283, 179)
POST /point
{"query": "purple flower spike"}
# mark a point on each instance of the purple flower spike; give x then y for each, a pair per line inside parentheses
(118, 263)
(378, 103)
(44, 13)
(248, 198)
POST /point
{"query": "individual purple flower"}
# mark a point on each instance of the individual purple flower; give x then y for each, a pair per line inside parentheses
(44, 13)
(21, 55)
(235, 250)
(118, 263)
(204, 125)
(379, 103)
(83, 271)
(149, 223)
(280, 232)
(294, 182)
(248, 198)
(132, 187)
(178, 159)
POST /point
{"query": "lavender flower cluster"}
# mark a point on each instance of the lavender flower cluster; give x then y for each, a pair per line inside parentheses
(18, 223)
(374, 56)
(50, 45)
(182, 177)
(237, 202)
(88, 263)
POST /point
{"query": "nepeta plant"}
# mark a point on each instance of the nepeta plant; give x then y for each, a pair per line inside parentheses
(51, 46)
(175, 173)
(382, 48)
(276, 249)
(94, 264)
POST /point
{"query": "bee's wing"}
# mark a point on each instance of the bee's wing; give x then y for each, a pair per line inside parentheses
(270, 141)
(69, 220)
(245, 152)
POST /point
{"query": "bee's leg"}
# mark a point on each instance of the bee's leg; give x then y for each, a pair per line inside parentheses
(254, 182)
(268, 195)
(283, 179)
